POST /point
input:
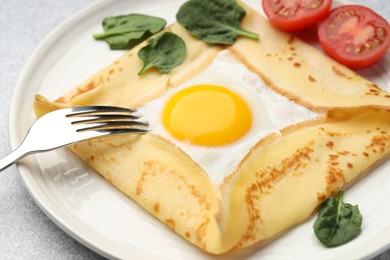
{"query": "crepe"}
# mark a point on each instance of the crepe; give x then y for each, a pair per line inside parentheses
(301, 72)
(119, 83)
(284, 178)
(278, 184)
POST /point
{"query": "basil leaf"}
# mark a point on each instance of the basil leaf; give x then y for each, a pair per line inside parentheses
(214, 21)
(126, 31)
(164, 52)
(337, 222)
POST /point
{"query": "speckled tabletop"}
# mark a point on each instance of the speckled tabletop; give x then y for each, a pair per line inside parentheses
(25, 231)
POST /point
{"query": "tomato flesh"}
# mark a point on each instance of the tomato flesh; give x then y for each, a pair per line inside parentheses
(295, 15)
(355, 36)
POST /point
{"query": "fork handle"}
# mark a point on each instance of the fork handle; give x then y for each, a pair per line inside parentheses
(11, 158)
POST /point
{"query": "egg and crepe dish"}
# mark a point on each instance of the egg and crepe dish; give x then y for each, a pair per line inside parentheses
(283, 128)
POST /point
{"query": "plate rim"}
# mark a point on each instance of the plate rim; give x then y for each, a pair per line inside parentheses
(24, 169)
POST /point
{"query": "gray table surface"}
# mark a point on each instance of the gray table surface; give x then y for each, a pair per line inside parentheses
(25, 231)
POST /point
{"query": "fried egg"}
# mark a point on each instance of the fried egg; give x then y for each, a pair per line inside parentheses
(219, 115)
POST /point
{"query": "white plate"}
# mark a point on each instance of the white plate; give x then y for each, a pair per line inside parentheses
(92, 211)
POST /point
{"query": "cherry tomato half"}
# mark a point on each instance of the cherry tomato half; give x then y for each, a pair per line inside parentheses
(295, 15)
(355, 36)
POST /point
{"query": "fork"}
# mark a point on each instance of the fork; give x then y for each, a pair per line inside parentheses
(70, 125)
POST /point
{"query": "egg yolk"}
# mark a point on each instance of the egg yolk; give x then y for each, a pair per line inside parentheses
(207, 115)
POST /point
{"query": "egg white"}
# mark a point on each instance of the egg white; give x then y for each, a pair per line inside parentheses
(270, 112)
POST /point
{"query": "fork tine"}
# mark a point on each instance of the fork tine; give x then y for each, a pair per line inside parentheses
(110, 125)
(85, 110)
(108, 131)
(104, 117)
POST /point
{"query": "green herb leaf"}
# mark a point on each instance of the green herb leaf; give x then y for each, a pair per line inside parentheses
(214, 21)
(126, 31)
(164, 52)
(337, 222)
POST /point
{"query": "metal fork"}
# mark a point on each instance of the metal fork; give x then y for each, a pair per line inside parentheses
(70, 125)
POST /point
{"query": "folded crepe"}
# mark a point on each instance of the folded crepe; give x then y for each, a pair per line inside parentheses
(301, 72)
(284, 177)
